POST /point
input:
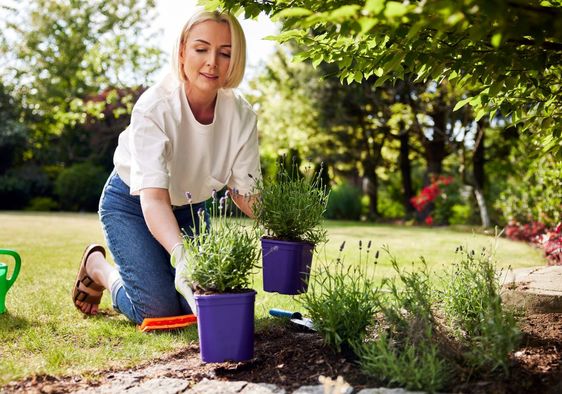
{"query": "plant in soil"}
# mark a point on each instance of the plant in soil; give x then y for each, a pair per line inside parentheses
(403, 348)
(472, 304)
(342, 298)
(291, 206)
(224, 255)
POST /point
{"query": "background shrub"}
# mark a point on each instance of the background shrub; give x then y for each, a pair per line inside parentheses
(20, 184)
(42, 204)
(541, 198)
(79, 187)
(344, 202)
(14, 192)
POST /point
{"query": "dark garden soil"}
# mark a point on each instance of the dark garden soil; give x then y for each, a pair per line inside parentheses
(290, 358)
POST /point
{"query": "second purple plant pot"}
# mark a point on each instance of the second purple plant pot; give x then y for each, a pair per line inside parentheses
(286, 266)
(226, 326)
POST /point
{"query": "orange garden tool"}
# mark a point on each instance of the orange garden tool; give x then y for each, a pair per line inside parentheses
(167, 323)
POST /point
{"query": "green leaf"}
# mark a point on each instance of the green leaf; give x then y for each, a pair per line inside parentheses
(288, 35)
(380, 81)
(394, 62)
(481, 112)
(344, 12)
(367, 24)
(395, 9)
(493, 114)
(461, 103)
(291, 13)
(374, 6)
(496, 40)
(317, 59)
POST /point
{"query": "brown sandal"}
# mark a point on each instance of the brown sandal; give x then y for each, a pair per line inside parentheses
(84, 279)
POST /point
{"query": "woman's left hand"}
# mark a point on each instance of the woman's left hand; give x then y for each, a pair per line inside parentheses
(178, 259)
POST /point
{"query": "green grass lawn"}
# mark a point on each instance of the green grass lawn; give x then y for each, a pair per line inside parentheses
(42, 332)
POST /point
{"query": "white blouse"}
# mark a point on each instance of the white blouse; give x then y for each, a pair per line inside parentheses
(166, 147)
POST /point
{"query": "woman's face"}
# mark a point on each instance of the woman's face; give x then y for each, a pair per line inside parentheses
(206, 56)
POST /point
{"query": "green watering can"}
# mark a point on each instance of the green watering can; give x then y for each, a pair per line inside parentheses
(6, 283)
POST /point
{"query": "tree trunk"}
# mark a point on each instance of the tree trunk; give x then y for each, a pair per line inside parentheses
(406, 172)
(373, 193)
(436, 147)
(478, 161)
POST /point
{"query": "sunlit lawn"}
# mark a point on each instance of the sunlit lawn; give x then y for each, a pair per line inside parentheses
(42, 332)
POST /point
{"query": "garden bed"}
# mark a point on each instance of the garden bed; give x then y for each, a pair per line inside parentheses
(290, 358)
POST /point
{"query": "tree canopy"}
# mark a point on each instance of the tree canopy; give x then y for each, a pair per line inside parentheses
(506, 53)
(57, 54)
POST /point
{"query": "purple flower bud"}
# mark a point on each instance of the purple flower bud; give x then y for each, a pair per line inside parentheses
(227, 193)
(200, 212)
(214, 194)
(188, 196)
(221, 202)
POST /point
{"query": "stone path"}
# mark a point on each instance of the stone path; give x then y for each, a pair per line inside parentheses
(536, 290)
(165, 385)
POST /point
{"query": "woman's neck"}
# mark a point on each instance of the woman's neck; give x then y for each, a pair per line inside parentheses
(202, 105)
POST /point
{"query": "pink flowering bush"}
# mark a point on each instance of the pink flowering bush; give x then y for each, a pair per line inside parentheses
(537, 233)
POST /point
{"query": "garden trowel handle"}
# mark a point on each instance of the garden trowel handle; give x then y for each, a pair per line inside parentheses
(287, 314)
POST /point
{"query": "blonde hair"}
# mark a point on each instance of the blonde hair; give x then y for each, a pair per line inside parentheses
(237, 66)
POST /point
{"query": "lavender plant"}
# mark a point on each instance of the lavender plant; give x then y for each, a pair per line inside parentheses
(472, 304)
(343, 298)
(404, 349)
(223, 255)
(291, 207)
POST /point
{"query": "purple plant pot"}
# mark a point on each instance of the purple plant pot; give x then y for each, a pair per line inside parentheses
(286, 266)
(226, 326)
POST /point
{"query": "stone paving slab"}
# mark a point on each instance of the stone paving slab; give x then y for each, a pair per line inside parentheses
(220, 387)
(536, 290)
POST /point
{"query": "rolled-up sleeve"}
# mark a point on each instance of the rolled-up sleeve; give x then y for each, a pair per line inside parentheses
(149, 146)
(247, 162)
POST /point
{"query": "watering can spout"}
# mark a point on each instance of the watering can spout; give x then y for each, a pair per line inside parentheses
(5, 282)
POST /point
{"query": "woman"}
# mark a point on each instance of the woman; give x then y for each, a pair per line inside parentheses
(189, 134)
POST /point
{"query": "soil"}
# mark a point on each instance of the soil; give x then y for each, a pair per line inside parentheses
(289, 358)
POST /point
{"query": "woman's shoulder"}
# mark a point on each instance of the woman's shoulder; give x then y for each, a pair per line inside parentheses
(236, 102)
(163, 94)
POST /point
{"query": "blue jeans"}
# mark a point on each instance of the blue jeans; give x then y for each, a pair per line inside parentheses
(146, 288)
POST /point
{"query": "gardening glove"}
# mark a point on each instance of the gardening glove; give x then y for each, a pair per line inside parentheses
(178, 259)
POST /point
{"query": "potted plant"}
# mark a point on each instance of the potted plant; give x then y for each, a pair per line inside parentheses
(290, 208)
(222, 260)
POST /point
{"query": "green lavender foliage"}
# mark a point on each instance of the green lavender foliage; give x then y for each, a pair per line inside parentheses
(472, 303)
(291, 207)
(341, 299)
(404, 350)
(224, 255)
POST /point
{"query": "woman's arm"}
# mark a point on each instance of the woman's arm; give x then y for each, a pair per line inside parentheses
(157, 211)
(244, 203)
